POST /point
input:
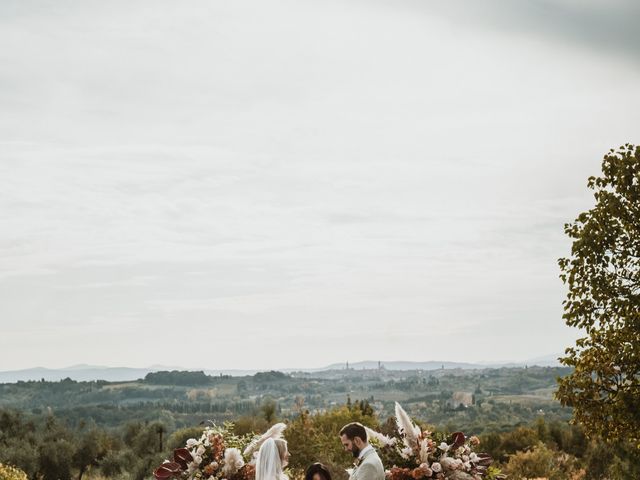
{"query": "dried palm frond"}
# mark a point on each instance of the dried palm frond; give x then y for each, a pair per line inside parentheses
(382, 439)
(409, 431)
(274, 432)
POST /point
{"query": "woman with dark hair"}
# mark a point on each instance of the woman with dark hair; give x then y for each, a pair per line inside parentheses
(317, 471)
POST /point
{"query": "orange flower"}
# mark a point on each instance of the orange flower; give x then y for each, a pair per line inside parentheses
(217, 446)
(247, 472)
(397, 473)
(211, 468)
(421, 472)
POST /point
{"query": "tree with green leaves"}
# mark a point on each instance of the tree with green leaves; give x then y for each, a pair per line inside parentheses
(603, 278)
(269, 410)
(91, 447)
(315, 438)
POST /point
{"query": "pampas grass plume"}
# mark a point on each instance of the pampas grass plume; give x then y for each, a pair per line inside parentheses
(406, 427)
(274, 432)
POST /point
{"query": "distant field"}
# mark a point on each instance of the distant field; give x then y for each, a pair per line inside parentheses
(116, 386)
(529, 399)
(501, 397)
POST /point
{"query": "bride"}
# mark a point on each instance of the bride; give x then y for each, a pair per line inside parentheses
(273, 457)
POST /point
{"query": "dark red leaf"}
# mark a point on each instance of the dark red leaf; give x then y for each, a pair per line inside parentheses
(167, 470)
(458, 439)
(183, 457)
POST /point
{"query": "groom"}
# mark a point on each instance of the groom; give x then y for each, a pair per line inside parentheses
(368, 465)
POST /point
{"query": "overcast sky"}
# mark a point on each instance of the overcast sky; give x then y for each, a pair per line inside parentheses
(269, 184)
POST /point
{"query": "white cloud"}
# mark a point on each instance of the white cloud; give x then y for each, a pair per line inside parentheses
(263, 171)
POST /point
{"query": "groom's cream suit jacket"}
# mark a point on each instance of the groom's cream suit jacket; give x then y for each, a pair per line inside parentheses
(369, 466)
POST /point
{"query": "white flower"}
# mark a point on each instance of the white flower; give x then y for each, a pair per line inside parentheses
(197, 459)
(232, 461)
(449, 463)
(473, 457)
(465, 458)
(436, 467)
(467, 466)
(444, 447)
(406, 453)
(200, 450)
(192, 442)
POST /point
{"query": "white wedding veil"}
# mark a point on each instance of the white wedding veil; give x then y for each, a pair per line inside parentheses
(269, 463)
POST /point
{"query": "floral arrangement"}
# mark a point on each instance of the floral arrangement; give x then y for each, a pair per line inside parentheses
(218, 454)
(423, 457)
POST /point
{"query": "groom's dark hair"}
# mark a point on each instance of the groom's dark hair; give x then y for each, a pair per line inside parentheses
(353, 430)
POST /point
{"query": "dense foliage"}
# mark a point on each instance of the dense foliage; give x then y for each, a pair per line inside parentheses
(603, 277)
(89, 430)
(176, 377)
(46, 447)
(502, 398)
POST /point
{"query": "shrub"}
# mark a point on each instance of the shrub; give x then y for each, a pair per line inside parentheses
(7, 472)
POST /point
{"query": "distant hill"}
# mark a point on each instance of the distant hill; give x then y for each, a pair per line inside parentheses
(122, 374)
(82, 373)
(545, 361)
(77, 372)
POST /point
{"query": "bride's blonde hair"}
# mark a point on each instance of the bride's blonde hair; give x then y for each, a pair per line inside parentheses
(271, 460)
(282, 449)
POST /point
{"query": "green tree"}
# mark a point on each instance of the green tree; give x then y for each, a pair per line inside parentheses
(18, 440)
(114, 463)
(540, 462)
(92, 447)
(55, 459)
(250, 424)
(268, 410)
(178, 439)
(500, 446)
(315, 438)
(603, 277)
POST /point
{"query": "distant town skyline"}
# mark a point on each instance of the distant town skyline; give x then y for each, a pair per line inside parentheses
(129, 373)
(242, 184)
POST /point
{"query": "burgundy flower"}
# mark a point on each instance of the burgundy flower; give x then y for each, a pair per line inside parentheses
(182, 457)
(458, 439)
(484, 459)
(167, 470)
